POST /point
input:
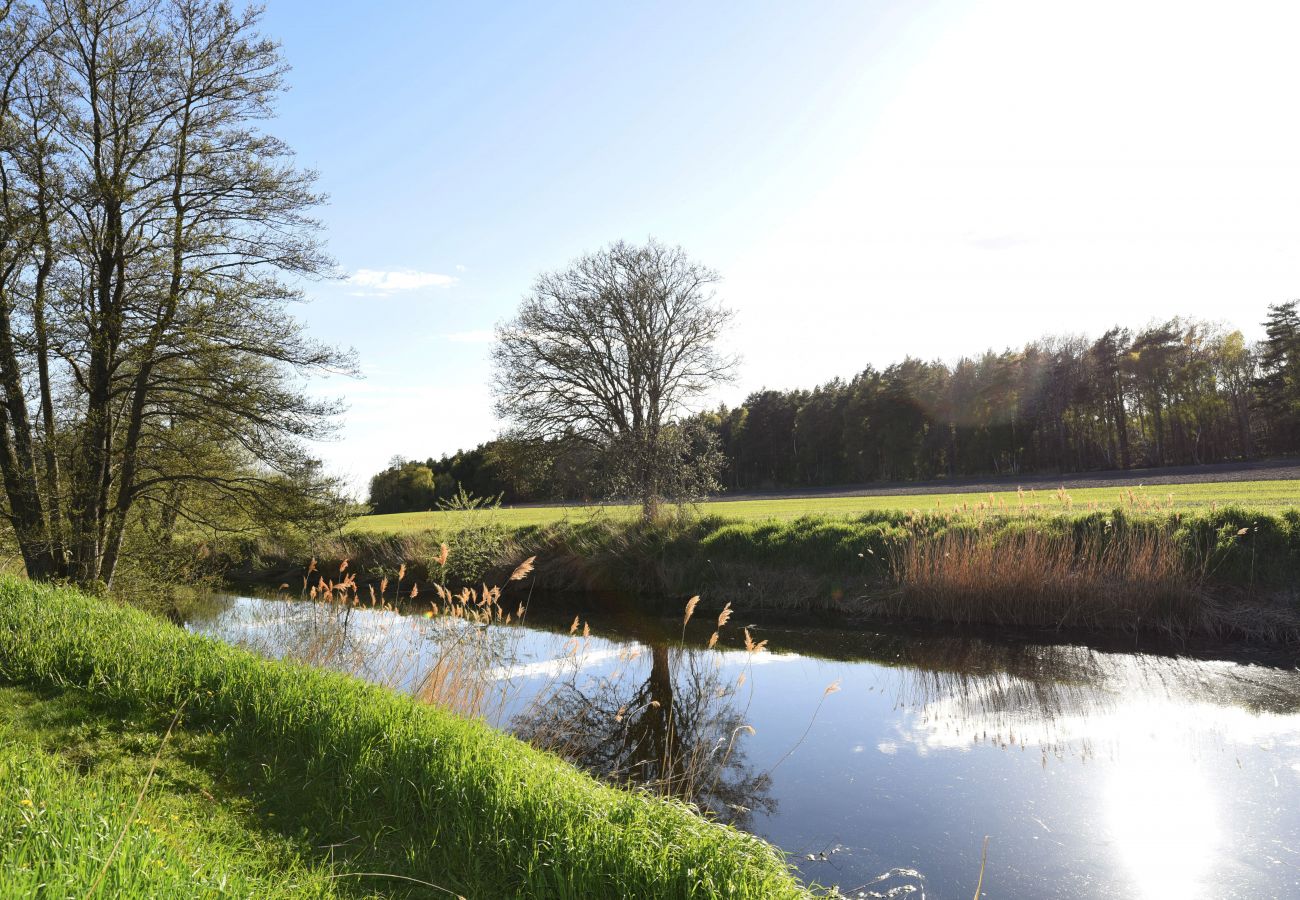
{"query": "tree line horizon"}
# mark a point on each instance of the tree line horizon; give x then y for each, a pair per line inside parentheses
(1179, 392)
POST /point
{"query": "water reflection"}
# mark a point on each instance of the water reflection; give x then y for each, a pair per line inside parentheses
(645, 715)
(1162, 814)
(1081, 702)
(674, 728)
(1094, 773)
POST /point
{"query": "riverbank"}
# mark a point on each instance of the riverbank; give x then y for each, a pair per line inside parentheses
(353, 778)
(1228, 573)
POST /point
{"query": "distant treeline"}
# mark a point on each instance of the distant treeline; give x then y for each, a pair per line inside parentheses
(1175, 393)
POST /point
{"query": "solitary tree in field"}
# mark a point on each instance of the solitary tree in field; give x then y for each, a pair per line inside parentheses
(612, 352)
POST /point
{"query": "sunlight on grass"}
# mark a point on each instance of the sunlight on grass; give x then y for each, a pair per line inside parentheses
(1262, 495)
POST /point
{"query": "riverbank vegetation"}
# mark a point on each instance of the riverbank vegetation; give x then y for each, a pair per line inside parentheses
(364, 789)
(1228, 572)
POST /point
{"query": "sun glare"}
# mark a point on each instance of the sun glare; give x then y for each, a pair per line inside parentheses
(1163, 822)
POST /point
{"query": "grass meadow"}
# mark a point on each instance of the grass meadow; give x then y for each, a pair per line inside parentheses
(76, 822)
(1264, 496)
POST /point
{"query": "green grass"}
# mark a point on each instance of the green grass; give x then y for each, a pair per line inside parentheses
(314, 774)
(1265, 496)
(71, 770)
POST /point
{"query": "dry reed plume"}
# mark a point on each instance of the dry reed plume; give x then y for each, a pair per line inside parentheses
(1130, 581)
(458, 676)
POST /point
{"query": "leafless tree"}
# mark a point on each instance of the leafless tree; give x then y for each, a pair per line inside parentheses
(613, 352)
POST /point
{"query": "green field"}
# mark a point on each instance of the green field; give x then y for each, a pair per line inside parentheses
(1266, 496)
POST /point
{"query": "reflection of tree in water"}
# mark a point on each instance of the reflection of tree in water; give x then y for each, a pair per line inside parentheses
(677, 732)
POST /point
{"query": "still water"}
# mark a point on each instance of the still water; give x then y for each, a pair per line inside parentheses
(880, 761)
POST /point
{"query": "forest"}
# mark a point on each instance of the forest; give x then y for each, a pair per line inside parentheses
(1172, 393)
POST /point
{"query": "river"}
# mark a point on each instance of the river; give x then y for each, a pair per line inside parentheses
(878, 760)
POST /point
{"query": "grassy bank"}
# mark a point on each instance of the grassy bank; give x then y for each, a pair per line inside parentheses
(1275, 496)
(339, 779)
(1229, 572)
(71, 769)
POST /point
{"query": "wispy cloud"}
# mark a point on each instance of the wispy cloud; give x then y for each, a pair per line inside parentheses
(380, 283)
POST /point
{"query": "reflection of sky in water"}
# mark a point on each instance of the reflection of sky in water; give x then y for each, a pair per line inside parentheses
(1094, 774)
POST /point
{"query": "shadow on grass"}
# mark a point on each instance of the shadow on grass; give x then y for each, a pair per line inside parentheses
(227, 787)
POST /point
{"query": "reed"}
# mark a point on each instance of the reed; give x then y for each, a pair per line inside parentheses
(1241, 563)
(1134, 580)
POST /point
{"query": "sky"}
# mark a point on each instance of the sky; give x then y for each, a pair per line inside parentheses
(871, 179)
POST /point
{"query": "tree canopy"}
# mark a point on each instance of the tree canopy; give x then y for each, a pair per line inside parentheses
(150, 232)
(1171, 393)
(612, 352)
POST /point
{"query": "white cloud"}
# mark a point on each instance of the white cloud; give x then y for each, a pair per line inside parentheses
(380, 283)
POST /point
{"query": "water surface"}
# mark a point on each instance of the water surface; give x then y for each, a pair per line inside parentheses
(1092, 773)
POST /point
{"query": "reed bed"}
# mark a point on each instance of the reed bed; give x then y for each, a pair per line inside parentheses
(1034, 579)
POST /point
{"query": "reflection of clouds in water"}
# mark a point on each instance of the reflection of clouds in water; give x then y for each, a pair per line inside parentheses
(951, 725)
(1166, 729)
(567, 663)
(1124, 697)
(560, 665)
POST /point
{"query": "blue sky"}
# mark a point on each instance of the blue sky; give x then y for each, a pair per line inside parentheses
(871, 179)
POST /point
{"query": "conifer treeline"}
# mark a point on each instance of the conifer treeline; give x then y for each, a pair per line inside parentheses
(1173, 393)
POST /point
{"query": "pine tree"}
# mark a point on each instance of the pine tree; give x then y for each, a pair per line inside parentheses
(1278, 387)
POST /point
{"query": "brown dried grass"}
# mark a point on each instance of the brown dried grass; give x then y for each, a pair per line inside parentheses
(1137, 580)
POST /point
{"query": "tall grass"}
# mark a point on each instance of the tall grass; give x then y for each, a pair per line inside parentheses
(59, 826)
(400, 787)
(1033, 578)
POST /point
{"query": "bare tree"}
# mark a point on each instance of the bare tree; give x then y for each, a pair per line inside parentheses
(612, 352)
